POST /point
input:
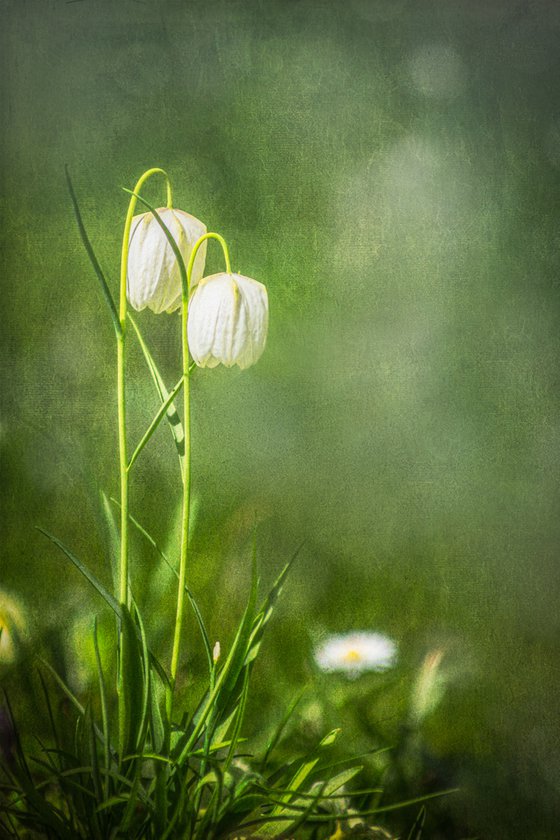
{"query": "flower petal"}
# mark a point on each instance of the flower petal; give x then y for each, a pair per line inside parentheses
(154, 279)
(228, 321)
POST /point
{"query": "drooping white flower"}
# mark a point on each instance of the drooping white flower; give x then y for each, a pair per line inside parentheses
(153, 278)
(228, 321)
(355, 653)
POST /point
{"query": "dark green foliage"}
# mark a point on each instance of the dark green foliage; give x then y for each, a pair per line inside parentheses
(145, 777)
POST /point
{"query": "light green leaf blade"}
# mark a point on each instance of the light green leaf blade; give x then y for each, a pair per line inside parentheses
(112, 602)
(171, 414)
(155, 422)
(93, 259)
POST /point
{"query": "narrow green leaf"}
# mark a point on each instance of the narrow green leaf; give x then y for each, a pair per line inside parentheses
(171, 414)
(208, 701)
(113, 539)
(131, 804)
(18, 747)
(274, 828)
(112, 802)
(384, 809)
(67, 691)
(225, 693)
(336, 782)
(93, 259)
(190, 596)
(242, 645)
(415, 832)
(104, 709)
(267, 608)
(277, 734)
(157, 726)
(44, 813)
(155, 422)
(240, 715)
(49, 709)
(307, 810)
(249, 802)
(351, 815)
(112, 602)
(144, 718)
(219, 734)
(329, 739)
(95, 775)
(306, 768)
(131, 681)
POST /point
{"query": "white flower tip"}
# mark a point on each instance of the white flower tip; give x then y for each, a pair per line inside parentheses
(216, 652)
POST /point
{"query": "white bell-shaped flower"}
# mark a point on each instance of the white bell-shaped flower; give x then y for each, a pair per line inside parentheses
(228, 321)
(153, 277)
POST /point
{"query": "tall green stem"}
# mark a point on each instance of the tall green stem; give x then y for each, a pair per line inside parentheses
(121, 379)
(187, 459)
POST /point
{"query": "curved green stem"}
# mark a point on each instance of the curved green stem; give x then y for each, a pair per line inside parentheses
(197, 245)
(121, 380)
(186, 285)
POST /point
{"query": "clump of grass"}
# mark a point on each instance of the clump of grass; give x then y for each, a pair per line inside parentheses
(133, 764)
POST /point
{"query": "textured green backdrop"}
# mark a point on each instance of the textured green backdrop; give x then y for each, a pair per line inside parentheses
(391, 170)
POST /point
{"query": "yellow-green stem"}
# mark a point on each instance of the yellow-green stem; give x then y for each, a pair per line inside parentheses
(121, 380)
(186, 283)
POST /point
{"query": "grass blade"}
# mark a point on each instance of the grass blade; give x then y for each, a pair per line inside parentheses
(238, 722)
(131, 684)
(104, 710)
(144, 718)
(209, 700)
(109, 599)
(287, 808)
(93, 259)
(171, 414)
(267, 608)
(112, 602)
(415, 832)
(113, 540)
(277, 734)
(155, 422)
(190, 596)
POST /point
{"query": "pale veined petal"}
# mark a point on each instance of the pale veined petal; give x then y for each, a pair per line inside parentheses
(228, 321)
(154, 279)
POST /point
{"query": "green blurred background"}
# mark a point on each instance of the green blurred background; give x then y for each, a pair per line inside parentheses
(390, 169)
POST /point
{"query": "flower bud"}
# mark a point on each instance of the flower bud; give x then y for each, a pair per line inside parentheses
(216, 652)
(154, 279)
(228, 321)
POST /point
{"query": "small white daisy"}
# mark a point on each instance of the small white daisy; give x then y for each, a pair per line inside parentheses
(355, 653)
